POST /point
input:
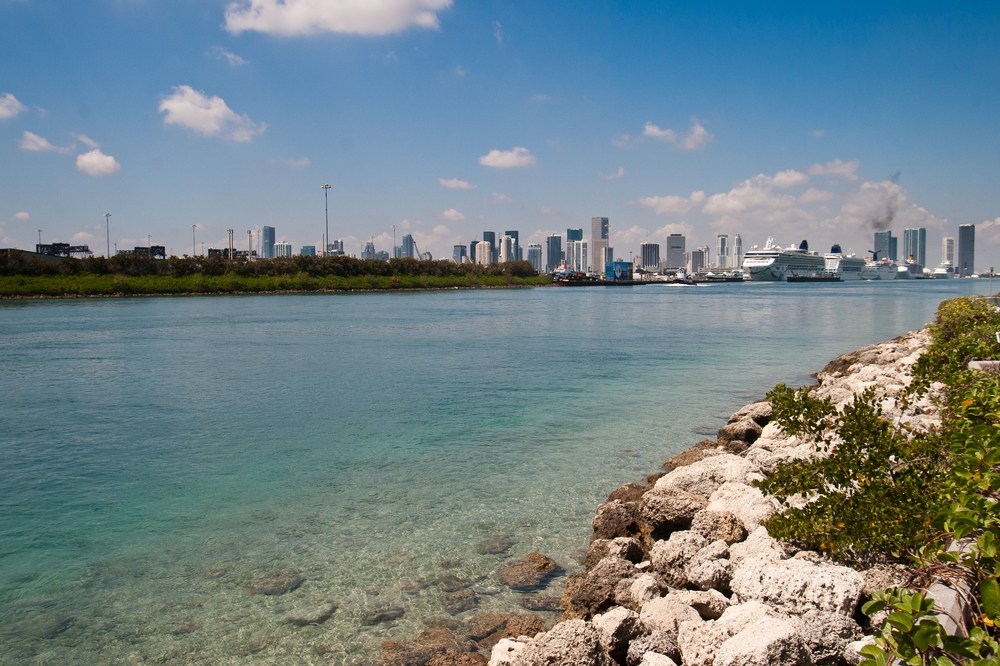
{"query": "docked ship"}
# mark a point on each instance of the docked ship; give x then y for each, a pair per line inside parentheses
(844, 266)
(776, 263)
(909, 270)
(884, 269)
(944, 271)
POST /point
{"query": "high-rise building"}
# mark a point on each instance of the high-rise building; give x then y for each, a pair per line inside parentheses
(382, 255)
(507, 251)
(517, 254)
(576, 256)
(535, 257)
(397, 252)
(676, 251)
(915, 245)
(282, 249)
(408, 250)
(574, 235)
(308, 251)
(722, 251)
(472, 250)
(335, 248)
(885, 245)
(426, 256)
(553, 252)
(484, 253)
(491, 238)
(609, 255)
(966, 265)
(459, 253)
(267, 248)
(737, 251)
(600, 239)
(368, 251)
(650, 256)
(948, 250)
(699, 259)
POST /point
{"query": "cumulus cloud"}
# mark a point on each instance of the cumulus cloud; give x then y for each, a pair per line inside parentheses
(453, 215)
(37, 144)
(306, 17)
(292, 161)
(508, 159)
(460, 71)
(789, 178)
(846, 170)
(456, 184)
(545, 210)
(697, 137)
(653, 131)
(752, 194)
(22, 216)
(498, 197)
(86, 140)
(621, 140)
(817, 133)
(673, 204)
(83, 237)
(208, 116)
(10, 107)
(612, 176)
(222, 54)
(813, 195)
(96, 163)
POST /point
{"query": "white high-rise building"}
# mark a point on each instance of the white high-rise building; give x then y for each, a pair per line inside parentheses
(722, 251)
(535, 256)
(948, 250)
(484, 253)
(282, 249)
(737, 251)
(507, 249)
(576, 256)
(650, 256)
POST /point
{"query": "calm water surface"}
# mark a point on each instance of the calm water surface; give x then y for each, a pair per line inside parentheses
(156, 454)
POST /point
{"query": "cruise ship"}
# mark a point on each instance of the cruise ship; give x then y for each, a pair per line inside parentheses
(775, 262)
(845, 266)
(883, 269)
(909, 270)
(944, 271)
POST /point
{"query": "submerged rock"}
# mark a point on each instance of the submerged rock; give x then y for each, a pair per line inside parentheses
(539, 602)
(495, 544)
(382, 615)
(430, 644)
(531, 572)
(277, 581)
(460, 602)
(488, 629)
(311, 614)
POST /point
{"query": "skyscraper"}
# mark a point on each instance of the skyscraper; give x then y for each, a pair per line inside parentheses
(507, 251)
(600, 239)
(722, 251)
(472, 250)
(553, 252)
(491, 238)
(676, 251)
(915, 245)
(535, 257)
(948, 250)
(408, 250)
(574, 234)
(459, 254)
(737, 251)
(649, 256)
(885, 245)
(966, 265)
(699, 259)
(484, 253)
(308, 251)
(282, 249)
(576, 255)
(267, 247)
(368, 252)
(517, 255)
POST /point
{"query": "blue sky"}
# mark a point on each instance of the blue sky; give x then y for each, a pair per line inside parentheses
(447, 118)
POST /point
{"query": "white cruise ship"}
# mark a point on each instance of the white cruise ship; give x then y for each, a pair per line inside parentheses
(879, 270)
(909, 270)
(776, 263)
(846, 266)
(944, 271)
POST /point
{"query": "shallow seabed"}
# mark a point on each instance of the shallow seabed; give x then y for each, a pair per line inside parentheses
(159, 453)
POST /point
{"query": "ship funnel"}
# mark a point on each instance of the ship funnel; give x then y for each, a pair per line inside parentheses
(836, 250)
(804, 245)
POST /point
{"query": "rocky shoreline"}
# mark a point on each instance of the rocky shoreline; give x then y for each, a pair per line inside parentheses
(680, 570)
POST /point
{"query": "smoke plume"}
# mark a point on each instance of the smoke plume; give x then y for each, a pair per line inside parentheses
(883, 219)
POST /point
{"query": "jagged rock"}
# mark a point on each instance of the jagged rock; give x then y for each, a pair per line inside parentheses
(882, 577)
(616, 629)
(827, 635)
(487, 629)
(657, 642)
(666, 614)
(758, 544)
(759, 412)
(443, 621)
(569, 643)
(710, 604)
(278, 581)
(531, 572)
(594, 591)
(766, 642)
(670, 557)
(311, 614)
(616, 519)
(459, 659)
(655, 659)
(630, 492)
(651, 479)
(739, 616)
(797, 586)
(774, 447)
(852, 653)
(539, 602)
(705, 476)
(460, 601)
(666, 510)
(699, 641)
(431, 642)
(710, 568)
(715, 525)
(737, 436)
(745, 502)
(645, 587)
(699, 451)
(624, 547)
(506, 653)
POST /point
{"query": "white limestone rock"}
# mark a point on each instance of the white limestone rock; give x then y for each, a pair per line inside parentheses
(705, 476)
(710, 604)
(666, 613)
(710, 567)
(827, 635)
(738, 617)
(852, 653)
(670, 556)
(506, 652)
(758, 544)
(746, 502)
(766, 642)
(616, 629)
(796, 586)
(645, 587)
(699, 641)
(569, 643)
(656, 659)
(658, 642)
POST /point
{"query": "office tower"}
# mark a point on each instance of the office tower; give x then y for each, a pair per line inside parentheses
(368, 251)
(335, 247)
(609, 255)
(574, 235)
(308, 251)
(507, 252)
(676, 249)
(948, 250)
(382, 255)
(407, 247)
(267, 249)
(282, 249)
(737, 251)
(699, 259)
(915, 245)
(650, 255)
(472, 250)
(517, 253)
(885, 245)
(535, 257)
(576, 256)
(484, 253)
(722, 251)
(459, 254)
(553, 252)
(491, 238)
(397, 252)
(966, 265)
(600, 239)
(426, 256)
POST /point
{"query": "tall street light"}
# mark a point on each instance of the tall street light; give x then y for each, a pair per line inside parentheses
(194, 243)
(326, 197)
(107, 226)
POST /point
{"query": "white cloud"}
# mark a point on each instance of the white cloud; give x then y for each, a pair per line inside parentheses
(631, 236)
(655, 132)
(452, 215)
(817, 133)
(306, 17)
(752, 194)
(539, 98)
(37, 144)
(22, 216)
(672, 204)
(460, 71)
(498, 32)
(292, 161)
(545, 210)
(456, 184)
(813, 195)
(621, 140)
(612, 176)
(498, 197)
(83, 237)
(10, 107)
(221, 53)
(846, 170)
(208, 116)
(789, 178)
(507, 159)
(86, 140)
(697, 137)
(96, 163)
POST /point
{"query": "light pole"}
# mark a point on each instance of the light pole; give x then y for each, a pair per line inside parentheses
(194, 243)
(326, 210)
(107, 226)
(39, 240)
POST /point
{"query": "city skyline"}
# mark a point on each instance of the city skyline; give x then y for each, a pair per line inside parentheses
(443, 118)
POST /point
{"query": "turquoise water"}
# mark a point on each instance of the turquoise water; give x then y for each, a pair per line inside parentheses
(156, 454)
